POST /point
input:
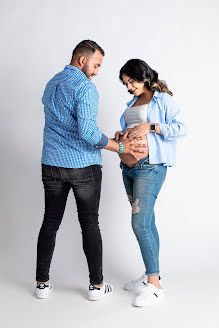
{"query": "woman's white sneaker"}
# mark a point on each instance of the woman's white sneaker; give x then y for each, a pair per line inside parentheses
(96, 293)
(150, 296)
(137, 285)
(43, 290)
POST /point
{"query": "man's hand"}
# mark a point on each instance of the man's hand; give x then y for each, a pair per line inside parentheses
(132, 146)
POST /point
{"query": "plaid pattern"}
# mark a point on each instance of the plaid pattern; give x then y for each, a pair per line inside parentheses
(71, 136)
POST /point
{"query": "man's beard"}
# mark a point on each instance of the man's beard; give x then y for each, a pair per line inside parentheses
(85, 71)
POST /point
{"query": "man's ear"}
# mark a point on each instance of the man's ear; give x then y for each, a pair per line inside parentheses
(82, 61)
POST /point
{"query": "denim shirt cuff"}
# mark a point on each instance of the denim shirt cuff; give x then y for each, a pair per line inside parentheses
(103, 142)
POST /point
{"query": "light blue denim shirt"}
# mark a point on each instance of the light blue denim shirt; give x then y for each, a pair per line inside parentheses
(162, 109)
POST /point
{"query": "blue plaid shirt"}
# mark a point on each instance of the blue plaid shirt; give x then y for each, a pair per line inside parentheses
(71, 136)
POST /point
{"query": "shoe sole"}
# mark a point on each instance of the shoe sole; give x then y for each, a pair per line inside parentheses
(162, 301)
(41, 297)
(97, 298)
(94, 298)
(134, 290)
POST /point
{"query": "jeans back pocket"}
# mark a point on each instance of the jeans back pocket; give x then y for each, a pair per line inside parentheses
(81, 176)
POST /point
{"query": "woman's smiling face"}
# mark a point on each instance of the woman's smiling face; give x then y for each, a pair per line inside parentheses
(134, 87)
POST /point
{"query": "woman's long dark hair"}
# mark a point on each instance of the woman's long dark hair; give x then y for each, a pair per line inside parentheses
(138, 70)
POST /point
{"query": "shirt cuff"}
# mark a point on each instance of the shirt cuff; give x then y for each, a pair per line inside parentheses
(162, 129)
(103, 142)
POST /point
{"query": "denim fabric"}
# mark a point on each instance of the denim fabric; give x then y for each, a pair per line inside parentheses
(86, 186)
(162, 109)
(143, 182)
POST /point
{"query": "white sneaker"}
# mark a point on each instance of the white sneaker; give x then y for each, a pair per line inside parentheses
(95, 293)
(43, 290)
(151, 295)
(137, 285)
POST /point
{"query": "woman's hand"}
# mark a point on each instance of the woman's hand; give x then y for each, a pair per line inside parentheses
(118, 134)
(140, 130)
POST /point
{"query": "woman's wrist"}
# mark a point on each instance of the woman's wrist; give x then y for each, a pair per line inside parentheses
(147, 128)
(155, 127)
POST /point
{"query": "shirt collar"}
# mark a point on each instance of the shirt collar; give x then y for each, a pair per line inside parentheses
(75, 69)
(156, 95)
(134, 99)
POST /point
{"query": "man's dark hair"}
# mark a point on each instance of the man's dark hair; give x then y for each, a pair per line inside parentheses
(87, 46)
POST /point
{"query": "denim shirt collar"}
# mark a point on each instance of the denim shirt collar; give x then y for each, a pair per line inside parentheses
(130, 103)
(135, 98)
(75, 69)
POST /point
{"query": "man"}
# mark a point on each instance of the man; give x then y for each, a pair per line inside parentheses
(71, 159)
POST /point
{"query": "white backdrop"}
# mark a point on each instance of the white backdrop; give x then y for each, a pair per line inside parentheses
(179, 39)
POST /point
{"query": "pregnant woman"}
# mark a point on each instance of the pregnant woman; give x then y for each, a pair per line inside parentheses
(154, 117)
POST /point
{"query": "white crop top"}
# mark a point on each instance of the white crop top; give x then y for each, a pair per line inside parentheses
(136, 115)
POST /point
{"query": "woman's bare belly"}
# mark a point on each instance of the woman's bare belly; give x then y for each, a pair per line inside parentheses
(131, 160)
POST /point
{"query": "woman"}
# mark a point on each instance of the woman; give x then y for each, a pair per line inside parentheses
(152, 116)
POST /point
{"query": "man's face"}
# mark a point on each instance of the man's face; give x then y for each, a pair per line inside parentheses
(92, 64)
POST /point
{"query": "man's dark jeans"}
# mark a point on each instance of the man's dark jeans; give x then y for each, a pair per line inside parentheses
(86, 186)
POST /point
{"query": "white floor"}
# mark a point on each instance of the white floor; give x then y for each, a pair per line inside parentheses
(190, 303)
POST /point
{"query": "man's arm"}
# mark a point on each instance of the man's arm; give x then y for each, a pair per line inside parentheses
(129, 147)
(112, 146)
(87, 110)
